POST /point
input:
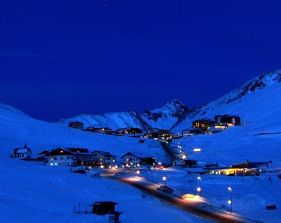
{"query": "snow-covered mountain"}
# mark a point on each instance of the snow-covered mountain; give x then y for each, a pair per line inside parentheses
(258, 103)
(165, 117)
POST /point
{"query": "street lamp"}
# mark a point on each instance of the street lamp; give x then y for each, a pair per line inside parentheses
(199, 190)
(138, 172)
(164, 179)
(229, 202)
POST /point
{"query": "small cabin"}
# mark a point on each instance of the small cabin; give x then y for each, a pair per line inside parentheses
(21, 153)
(230, 120)
(203, 124)
(76, 125)
(130, 159)
(103, 208)
(61, 157)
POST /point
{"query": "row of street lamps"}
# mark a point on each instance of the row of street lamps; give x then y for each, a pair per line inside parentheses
(199, 189)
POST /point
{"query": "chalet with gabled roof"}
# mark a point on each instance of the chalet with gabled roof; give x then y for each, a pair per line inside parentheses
(130, 159)
(104, 158)
(21, 153)
(61, 157)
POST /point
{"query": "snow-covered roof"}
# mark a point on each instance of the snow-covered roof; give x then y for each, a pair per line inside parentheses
(22, 150)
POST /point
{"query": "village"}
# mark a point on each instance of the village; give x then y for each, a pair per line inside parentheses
(98, 163)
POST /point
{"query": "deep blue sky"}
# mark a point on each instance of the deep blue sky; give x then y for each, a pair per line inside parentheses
(61, 58)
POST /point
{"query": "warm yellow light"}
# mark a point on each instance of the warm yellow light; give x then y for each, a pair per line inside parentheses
(193, 198)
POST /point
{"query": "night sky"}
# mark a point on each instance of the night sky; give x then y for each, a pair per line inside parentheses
(62, 58)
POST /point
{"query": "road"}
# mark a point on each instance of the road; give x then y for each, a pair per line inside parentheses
(198, 207)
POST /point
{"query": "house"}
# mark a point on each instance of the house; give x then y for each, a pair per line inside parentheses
(60, 157)
(86, 159)
(130, 159)
(230, 120)
(22, 153)
(253, 165)
(218, 127)
(76, 125)
(203, 124)
(104, 158)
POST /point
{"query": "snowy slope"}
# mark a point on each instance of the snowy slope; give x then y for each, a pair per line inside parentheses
(258, 103)
(165, 117)
(31, 192)
(17, 129)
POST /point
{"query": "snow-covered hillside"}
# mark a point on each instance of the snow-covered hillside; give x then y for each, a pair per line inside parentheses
(17, 129)
(258, 103)
(165, 118)
(31, 192)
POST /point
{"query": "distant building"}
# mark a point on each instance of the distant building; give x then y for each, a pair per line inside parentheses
(76, 125)
(230, 120)
(21, 153)
(130, 159)
(103, 130)
(61, 157)
(129, 131)
(159, 134)
(203, 124)
(191, 132)
(251, 165)
(217, 127)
